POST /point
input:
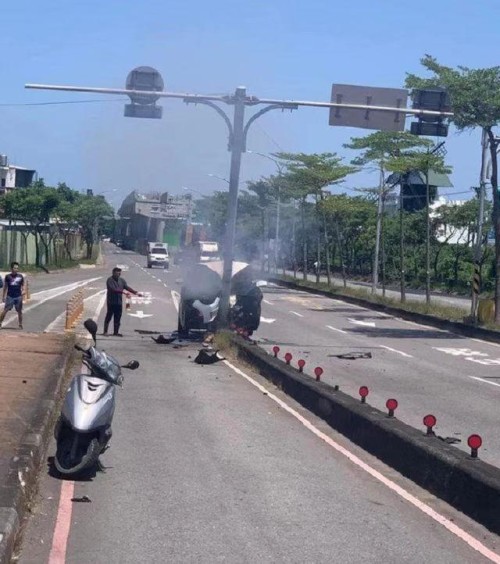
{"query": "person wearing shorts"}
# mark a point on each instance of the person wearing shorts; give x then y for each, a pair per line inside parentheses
(13, 291)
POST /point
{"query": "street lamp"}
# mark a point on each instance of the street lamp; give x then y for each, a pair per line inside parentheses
(145, 87)
(279, 166)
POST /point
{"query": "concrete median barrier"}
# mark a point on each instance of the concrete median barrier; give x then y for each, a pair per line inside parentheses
(468, 484)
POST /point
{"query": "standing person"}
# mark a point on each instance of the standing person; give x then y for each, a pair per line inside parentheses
(115, 286)
(13, 292)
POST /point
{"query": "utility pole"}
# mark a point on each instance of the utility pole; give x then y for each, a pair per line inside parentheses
(476, 277)
(402, 243)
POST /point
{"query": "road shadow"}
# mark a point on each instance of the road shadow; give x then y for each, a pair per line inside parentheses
(86, 476)
(393, 333)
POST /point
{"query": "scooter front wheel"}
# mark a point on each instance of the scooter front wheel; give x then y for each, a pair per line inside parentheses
(67, 464)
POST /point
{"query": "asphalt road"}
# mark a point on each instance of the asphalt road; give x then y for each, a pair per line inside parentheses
(411, 295)
(206, 466)
(427, 370)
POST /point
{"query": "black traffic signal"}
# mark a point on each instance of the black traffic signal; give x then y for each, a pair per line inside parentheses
(435, 99)
(146, 79)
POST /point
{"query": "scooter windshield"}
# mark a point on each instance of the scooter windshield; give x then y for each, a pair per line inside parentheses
(106, 365)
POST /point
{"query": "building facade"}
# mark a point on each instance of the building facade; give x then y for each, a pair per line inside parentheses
(12, 176)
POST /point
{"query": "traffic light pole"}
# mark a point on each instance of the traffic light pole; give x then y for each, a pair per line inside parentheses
(237, 145)
(238, 131)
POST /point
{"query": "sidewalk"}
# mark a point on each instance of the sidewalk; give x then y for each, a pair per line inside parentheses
(32, 370)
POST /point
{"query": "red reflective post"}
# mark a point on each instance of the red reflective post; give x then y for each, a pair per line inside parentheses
(301, 364)
(391, 405)
(288, 357)
(363, 392)
(276, 350)
(474, 442)
(429, 421)
(318, 371)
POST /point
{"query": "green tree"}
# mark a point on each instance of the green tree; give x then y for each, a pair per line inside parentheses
(34, 206)
(424, 162)
(475, 103)
(377, 149)
(90, 210)
(309, 175)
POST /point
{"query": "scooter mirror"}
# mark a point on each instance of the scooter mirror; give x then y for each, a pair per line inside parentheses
(91, 327)
(132, 365)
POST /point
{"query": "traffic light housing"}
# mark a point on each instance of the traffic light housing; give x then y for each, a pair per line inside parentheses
(434, 99)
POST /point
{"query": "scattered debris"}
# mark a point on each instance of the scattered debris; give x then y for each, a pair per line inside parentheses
(450, 440)
(83, 499)
(352, 355)
(161, 340)
(207, 357)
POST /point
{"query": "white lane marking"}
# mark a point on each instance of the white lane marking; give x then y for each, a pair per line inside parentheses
(459, 352)
(176, 298)
(268, 302)
(59, 320)
(297, 314)
(62, 290)
(359, 322)
(266, 320)
(100, 307)
(485, 381)
(335, 329)
(140, 314)
(484, 342)
(396, 351)
(396, 488)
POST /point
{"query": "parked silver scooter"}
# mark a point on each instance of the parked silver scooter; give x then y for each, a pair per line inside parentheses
(83, 429)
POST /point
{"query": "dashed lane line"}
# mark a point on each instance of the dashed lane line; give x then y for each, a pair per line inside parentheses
(406, 355)
(335, 329)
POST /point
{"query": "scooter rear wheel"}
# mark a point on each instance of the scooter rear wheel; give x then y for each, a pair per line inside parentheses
(66, 466)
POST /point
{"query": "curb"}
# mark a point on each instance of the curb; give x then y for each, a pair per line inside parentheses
(16, 493)
(421, 318)
(470, 485)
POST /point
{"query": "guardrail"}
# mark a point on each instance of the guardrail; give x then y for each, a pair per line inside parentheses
(74, 310)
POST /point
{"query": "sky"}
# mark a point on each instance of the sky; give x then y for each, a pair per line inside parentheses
(286, 49)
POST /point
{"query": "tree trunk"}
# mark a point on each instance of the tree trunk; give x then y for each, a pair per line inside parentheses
(496, 218)
(304, 241)
(427, 241)
(327, 253)
(90, 246)
(341, 254)
(380, 207)
(402, 246)
(318, 256)
(263, 240)
(382, 243)
(37, 250)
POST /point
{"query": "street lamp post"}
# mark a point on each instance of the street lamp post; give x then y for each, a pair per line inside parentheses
(145, 86)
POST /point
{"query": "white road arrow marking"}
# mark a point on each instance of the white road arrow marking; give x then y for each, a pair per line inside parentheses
(140, 314)
(359, 322)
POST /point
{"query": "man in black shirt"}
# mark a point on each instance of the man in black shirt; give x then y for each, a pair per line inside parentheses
(13, 291)
(115, 286)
